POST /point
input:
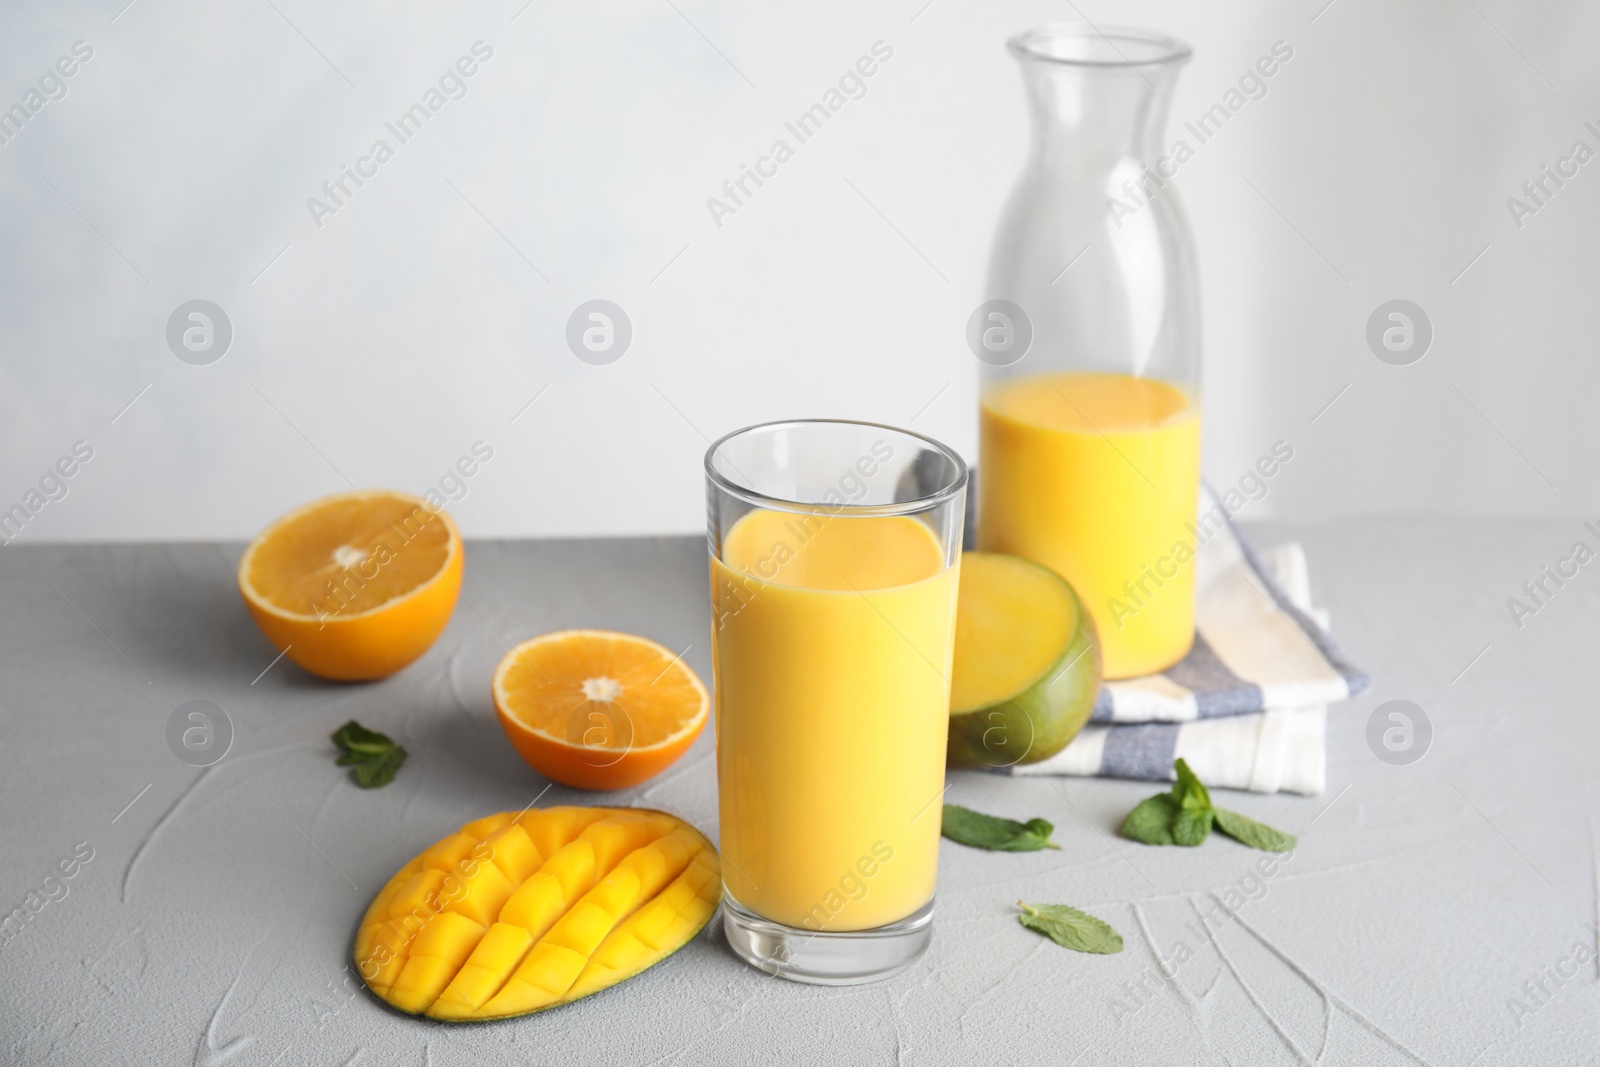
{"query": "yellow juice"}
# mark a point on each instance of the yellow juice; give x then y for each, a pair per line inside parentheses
(1097, 477)
(832, 642)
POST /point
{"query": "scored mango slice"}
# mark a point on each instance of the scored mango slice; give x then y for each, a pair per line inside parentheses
(519, 912)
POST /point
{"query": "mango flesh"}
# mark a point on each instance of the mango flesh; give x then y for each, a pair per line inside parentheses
(516, 913)
(1026, 668)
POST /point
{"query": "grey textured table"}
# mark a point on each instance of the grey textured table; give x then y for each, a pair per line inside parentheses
(212, 923)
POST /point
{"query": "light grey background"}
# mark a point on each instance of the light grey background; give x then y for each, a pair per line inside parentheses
(430, 310)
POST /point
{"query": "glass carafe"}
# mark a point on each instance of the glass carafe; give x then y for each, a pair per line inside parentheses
(1089, 456)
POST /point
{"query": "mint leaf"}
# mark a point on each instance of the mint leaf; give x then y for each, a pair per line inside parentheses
(1191, 826)
(1247, 831)
(1070, 928)
(353, 737)
(379, 770)
(977, 830)
(374, 756)
(1151, 822)
(1189, 793)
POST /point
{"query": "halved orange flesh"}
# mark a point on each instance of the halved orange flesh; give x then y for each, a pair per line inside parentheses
(596, 709)
(354, 586)
(519, 912)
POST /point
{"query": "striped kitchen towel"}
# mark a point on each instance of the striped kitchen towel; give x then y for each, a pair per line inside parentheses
(1280, 749)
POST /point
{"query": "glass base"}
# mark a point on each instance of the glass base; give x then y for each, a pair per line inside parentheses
(843, 958)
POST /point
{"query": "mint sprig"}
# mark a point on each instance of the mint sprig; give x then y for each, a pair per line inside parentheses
(374, 757)
(1185, 816)
(1255, 834)
(977, 830)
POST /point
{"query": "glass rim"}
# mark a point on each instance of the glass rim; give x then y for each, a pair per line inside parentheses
(1168, 49)
(800, 507)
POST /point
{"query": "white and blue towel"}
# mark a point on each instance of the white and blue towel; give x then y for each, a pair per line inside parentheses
(1247, 707)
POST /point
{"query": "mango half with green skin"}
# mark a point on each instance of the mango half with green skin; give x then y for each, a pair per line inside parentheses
(1027, 663)
(520, 912)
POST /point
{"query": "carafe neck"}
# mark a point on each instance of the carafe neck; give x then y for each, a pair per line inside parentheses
(1098, 98)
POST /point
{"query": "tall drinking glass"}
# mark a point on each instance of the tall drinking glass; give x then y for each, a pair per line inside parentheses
(835, 551)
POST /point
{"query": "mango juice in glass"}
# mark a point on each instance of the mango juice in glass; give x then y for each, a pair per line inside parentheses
(835, 551)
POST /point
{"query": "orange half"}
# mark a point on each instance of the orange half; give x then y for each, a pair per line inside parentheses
(354, 586)
(596, 709)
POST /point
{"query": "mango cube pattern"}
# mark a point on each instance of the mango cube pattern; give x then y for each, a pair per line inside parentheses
(517, 913)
